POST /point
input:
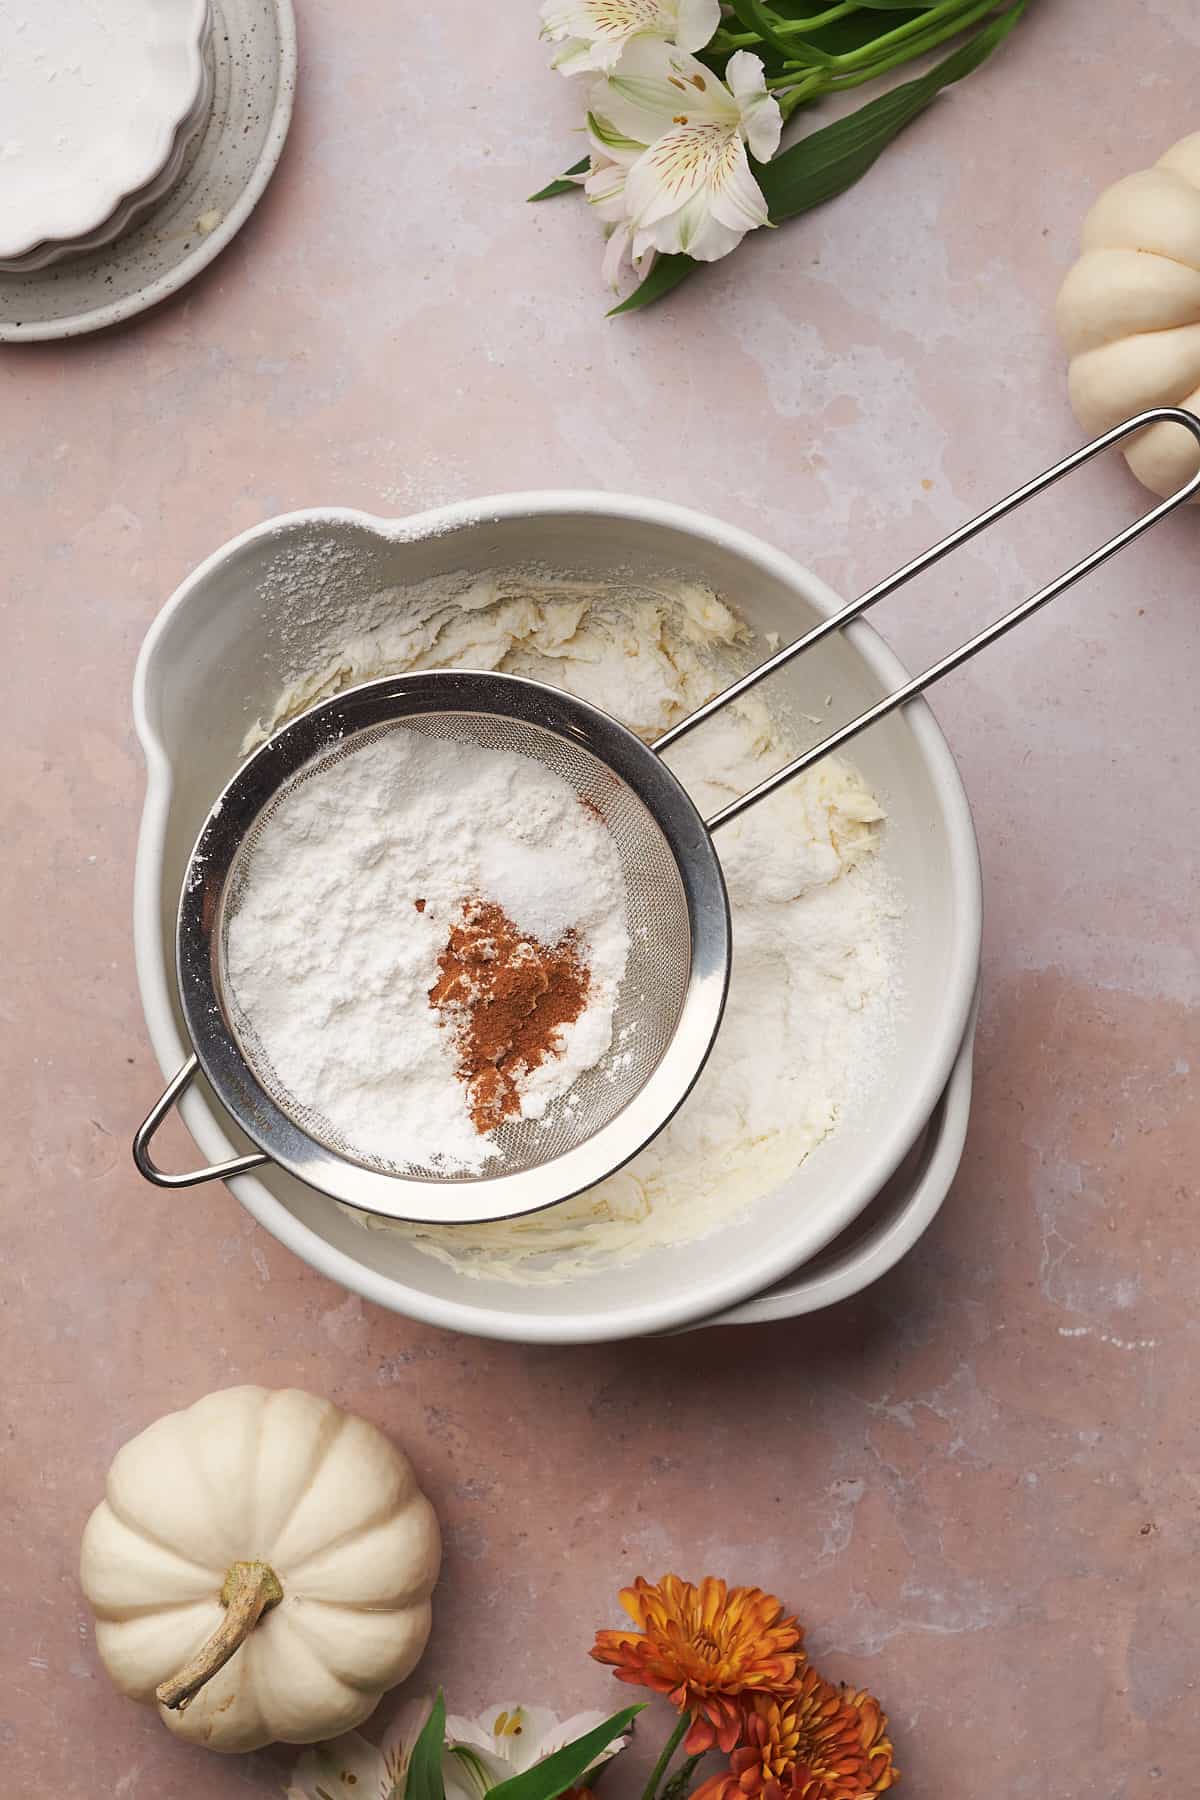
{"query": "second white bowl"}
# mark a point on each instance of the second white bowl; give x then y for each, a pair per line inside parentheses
(228, 642)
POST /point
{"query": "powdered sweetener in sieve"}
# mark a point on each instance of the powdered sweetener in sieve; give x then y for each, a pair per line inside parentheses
(357, 884)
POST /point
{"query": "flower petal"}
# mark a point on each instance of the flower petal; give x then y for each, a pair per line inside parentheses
(343, 1768)
(615, 251)
(697, 21)
(519, 1729)
(762, 121)
(556, 19)
(611, 144)
(555, 1734)
(601, 29)
(614, 20)
(580, 58)
(703, 237)
(397, 1744)
(643, 252)
(654, 86)
(604, 186)
(605, 54)
(745, 75)
(460, 1785)
(469, 1731)
(763, 125)
(476, 1768)
(679, 165)
(734, 197)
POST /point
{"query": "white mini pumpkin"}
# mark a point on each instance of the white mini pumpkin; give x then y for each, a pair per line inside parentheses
(1129, 312)
(261, 1565)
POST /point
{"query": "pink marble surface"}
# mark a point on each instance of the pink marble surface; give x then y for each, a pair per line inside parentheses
(978, 1482)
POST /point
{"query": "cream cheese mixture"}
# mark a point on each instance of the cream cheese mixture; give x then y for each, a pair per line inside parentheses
(808, 1008)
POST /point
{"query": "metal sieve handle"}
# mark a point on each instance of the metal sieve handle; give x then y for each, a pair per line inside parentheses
(918, 684)
(237, 1165)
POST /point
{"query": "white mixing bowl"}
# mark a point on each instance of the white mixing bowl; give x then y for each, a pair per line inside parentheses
(229, 640)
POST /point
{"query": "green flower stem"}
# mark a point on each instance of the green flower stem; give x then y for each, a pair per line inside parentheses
(800, 92)
(918, 47)
(743, 40)
(805, 83)
(948, 11)
(650, 1792)
(818, 19)
(747, 40)
(790, 103)
(681, 1780)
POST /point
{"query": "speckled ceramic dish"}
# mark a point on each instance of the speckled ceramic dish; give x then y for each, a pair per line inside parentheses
(225, 166)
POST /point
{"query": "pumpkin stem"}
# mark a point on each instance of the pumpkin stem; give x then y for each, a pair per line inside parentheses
(250, 1589)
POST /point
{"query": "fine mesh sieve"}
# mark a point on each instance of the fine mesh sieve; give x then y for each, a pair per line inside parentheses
(670, 1003)
(652, 996)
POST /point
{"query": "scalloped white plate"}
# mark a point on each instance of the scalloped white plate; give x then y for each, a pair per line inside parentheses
(135, 206)
(91, 102)
(226, 168)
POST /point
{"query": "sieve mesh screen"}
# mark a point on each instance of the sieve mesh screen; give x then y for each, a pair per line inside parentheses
(652, 995)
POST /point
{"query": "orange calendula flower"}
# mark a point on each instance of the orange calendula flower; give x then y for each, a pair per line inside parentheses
(821, 1743)
(705, 1648)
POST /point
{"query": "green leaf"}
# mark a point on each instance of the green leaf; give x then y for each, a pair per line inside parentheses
(563, 185)
(667, 273)
(827, 162)
(425, 1780)
(546, 1780)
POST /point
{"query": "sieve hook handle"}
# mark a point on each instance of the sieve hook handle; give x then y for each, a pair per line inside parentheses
(146, 1165)
(1155, 415)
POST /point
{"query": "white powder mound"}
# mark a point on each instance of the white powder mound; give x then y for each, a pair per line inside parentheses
(331, 962)
(809, 1007)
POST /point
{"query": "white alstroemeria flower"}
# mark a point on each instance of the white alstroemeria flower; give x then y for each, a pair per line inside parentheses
(593, 33)
(507, 1739)
(691, 189)
(351, 1768)
(479, 1753)
(612, 157)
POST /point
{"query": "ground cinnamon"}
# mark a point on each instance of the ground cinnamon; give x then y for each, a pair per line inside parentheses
(506, 997)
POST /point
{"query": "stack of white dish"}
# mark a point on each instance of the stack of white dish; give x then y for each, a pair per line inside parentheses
(98, 106)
